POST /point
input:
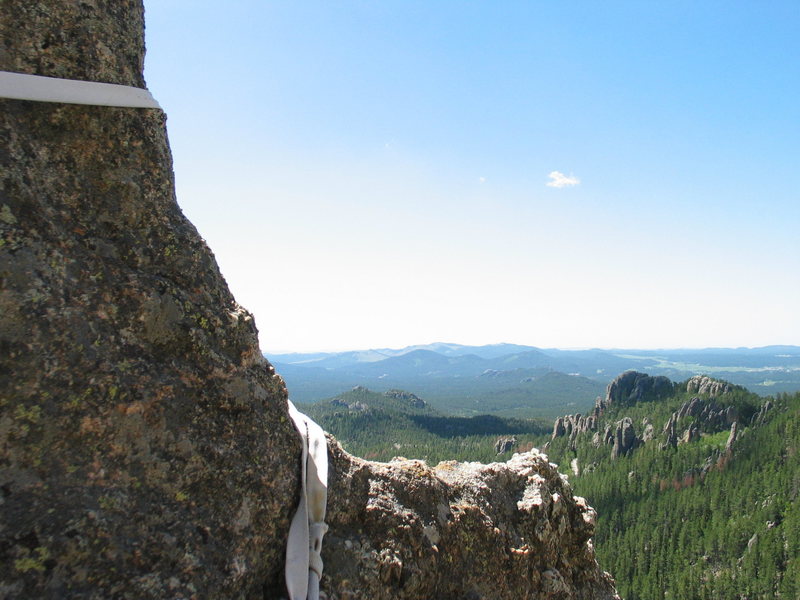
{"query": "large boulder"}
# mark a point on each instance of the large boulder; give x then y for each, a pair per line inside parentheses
(732, 437)
(404, 530)
(407, 397)
(144, 444)
(625, 440)
(559, 427)
(702, 384)
(632, 387)
(670, 433)
(574, 425)
(505, 444)
(705, 415)
(763, 413)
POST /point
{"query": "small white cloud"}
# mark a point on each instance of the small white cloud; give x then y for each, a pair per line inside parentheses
(481, 179)
(559, 180)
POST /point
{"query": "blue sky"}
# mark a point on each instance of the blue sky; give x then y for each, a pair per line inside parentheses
(375, 174)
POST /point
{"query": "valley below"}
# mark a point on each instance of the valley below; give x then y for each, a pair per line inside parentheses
(524, 381)
(695, 480)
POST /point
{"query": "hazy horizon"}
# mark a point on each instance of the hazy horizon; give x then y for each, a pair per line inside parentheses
(615, 175)
(577, 349)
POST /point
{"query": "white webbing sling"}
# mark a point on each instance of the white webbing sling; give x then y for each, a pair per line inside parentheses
(303, 560)
(21, 86)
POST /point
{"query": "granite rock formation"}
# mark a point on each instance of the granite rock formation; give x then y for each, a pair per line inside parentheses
(625, 390)
(625, 440)
(698, 415)
(732, 437)
(135, 400)
(649, 431)
(762, 414)
(691, 434)
(505, 444)
(145, 447)
(632, 387)
(670, 434)
(704, 385)
(407, 397)
(573, 425)
(354, 405)
(403, 530)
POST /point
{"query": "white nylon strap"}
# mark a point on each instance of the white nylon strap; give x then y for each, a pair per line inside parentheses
(20, 86)
(303, 561)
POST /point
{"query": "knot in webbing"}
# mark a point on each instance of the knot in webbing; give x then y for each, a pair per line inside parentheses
(315, 533)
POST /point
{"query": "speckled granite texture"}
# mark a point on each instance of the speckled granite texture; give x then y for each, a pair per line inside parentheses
(144, 444)
(503, 531)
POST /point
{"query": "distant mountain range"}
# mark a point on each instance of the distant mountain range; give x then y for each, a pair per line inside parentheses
(524, 381)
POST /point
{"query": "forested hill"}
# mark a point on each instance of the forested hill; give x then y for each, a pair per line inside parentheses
(380, 426)
(695, 485)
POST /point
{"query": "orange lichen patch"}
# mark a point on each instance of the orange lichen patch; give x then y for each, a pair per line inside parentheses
(165, 391)
(189, 379)
(92, 425)
(446, 465)
(97, 472)
(134, 408)
(116, 449)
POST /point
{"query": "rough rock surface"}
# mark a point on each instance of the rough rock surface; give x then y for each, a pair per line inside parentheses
(145, 448)
(699, 415)
(762, 414)
(625, 440)
(621, 435)
(691, 434)
(559, 428)
(734, 435)
(135, 399)
(407, 397)
(505, 444)
(702, 384)
(670, 434)
(573, 425)
(403, 530)
(649, 431)
(632, 387)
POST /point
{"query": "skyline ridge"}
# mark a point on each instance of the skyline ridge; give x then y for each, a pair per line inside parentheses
(559, 348)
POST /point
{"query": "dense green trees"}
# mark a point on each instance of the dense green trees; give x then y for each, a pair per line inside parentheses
(376, 426)
(693, 521)
(668, 530)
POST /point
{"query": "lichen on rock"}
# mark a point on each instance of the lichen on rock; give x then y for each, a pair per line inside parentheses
(136, 408)
(458, 530)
